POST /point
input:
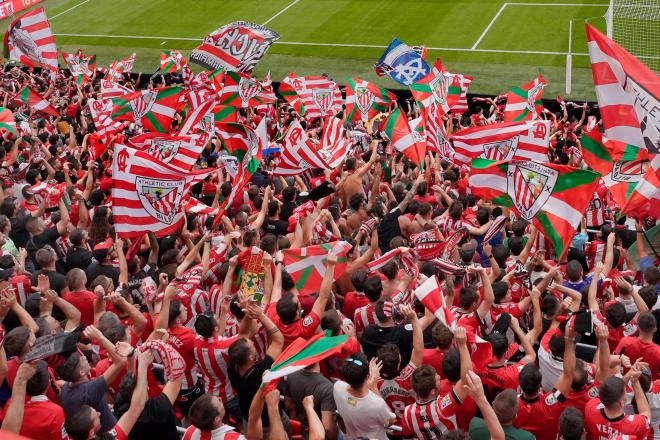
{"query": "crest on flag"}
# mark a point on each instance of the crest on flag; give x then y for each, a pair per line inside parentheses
(143, 103)
(439, 87)
(530, 184)
(534, 95)
(164, 149)
(501, 150)
(365, 98)
(323, 99)
(160, 198)
(629, 171)
(248, 89)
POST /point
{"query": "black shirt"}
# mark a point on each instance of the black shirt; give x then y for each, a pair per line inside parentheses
(277, 227)
(95, 269)
(388, 229)
(48, 237)
(248, 384)
(18, 234)
(135, 281)
(375, 337)
(157, 421)
(57, 280)
(286, 210)
(79, 257)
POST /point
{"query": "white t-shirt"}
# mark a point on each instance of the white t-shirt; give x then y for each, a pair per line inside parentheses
(363, 416)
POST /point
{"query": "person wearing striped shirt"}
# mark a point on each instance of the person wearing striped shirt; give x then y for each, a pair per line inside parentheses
(206, 415)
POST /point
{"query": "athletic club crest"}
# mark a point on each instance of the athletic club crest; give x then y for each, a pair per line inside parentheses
(164, 149)
(364, 100)
(247, 89)
(160, 198)
(530, 184)
(439, 87)
(322, 99)
(143, 104)
(533, 96)
(629, 171)
(501, 150)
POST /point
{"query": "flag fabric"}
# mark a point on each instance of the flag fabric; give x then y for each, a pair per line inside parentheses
(82, 67)
(120, 66)
(235, 47)
(430, 295)
(437, 140)
(428, 244)
(409, 142)
(303, 353)
(526, 140)
(307, 265)
(334, 144)
(7, 122)
(601, 153)
(553, 197)
(622, 178)
(380, 262)
(433, 88)
(201, 118)
(628, 93)
(35, 101)
(29, 40)
(242, 91)
(112, 89)
(457, 93)
(180, 152)
(299, 153)
(524, 103)
(402, 63)
(171, 61)
(147, 193)
(645, 198)
(364, 100)
(319, 96)
(152, 109)
(287, 90)
(100, 110)
(494, 228)
(196, 207)
(223, 114)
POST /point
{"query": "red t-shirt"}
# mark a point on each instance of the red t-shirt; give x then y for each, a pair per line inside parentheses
(42, 419)
(183, 340)
(502, 377)
(302, 328)
(540, 415)
(398, 392)
(12, 369)
(599, 426)
(84, 301)
(352, 302)
(466, 411)
(434, 358)
(634, 348)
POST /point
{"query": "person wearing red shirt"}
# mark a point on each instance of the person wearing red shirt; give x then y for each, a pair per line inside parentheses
(80, 297)
(41, 417)
(366, 315)
(206, 416)
(604, 416)
(355, 299)
(642, 346)
(472, 313)
(284, 309)
(442, 338)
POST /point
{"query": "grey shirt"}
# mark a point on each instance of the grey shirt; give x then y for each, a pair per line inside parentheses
(304, 383)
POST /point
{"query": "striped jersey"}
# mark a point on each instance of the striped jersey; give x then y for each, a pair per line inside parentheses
(429, 420)
(363, 317)
(224, 432)
(211, 356)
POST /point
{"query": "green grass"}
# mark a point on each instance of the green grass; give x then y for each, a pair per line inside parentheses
(434, 23)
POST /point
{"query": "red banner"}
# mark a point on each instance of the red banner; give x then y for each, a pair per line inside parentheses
(11, 7)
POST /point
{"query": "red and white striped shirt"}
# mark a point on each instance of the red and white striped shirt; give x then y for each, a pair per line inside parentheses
(211, 356)
(398, 392)
(23, 288)
(429, 420)
(363, 317)
(224, 432)
(448, 225)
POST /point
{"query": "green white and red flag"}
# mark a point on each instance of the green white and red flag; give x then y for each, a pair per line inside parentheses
(524, 103)
(241, 90)
(645, 198)
(457, 93)
(152, 109)
(553, 197)
(120, 66)
(307, 265)
(171, 61)
(303, 353)
(82, 66)
(288, 92)
(622, 179)
(628, 93)
(35, 101)
(600, 153)
(364, 100)
(434, 88)
(223, 114)
(7, 122)
(406, 140)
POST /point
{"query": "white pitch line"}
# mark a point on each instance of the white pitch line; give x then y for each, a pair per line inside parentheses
(280, 13)
(483, 34)
(558, 4)
(70, 9)
(358, 46)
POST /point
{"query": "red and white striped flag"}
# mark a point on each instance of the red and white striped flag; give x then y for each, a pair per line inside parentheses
(120, 66)
(628, 93)
(437, 140)
(319, 96)
(29, 40)
(147, 193)
(100, 110)
(196, 207)
(112, 89)
(381, 261)
(430, 295)
(177, 151)
(459, 104)
(526, 140)
(334, 145)
(299, 153)
(199, 119)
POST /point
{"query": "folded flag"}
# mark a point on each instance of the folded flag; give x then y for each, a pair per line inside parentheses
(524, 103)
(147, 193)
(287, 90)
(307, 265)
(430, 295)
(402, 63)
(303, 353)
(171, 61)
(82, 67)
(628, 93)
(200, 119)
(29, 40)
(152, 109)
(35, 101)
(364, 100)
(553, 197)
(526, 140)
(406, 140)
(100, 110)
(242, 91)
(234, 47)
(112, 89)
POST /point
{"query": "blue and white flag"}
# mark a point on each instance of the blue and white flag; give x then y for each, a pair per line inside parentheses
(404, 64)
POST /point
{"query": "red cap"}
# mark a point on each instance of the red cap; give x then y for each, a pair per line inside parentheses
(107, 244)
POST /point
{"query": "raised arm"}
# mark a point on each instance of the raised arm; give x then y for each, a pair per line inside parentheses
(460, 337)
(475, 389)
(326, 285)
(14, 416)
(140, 396)
(603, 353)
(489, 296)
(417, 336)
(593, 288)
(530, 354)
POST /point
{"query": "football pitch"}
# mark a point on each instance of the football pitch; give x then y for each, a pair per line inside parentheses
(501, 44)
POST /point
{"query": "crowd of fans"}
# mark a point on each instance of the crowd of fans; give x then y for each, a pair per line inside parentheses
(570, 343)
